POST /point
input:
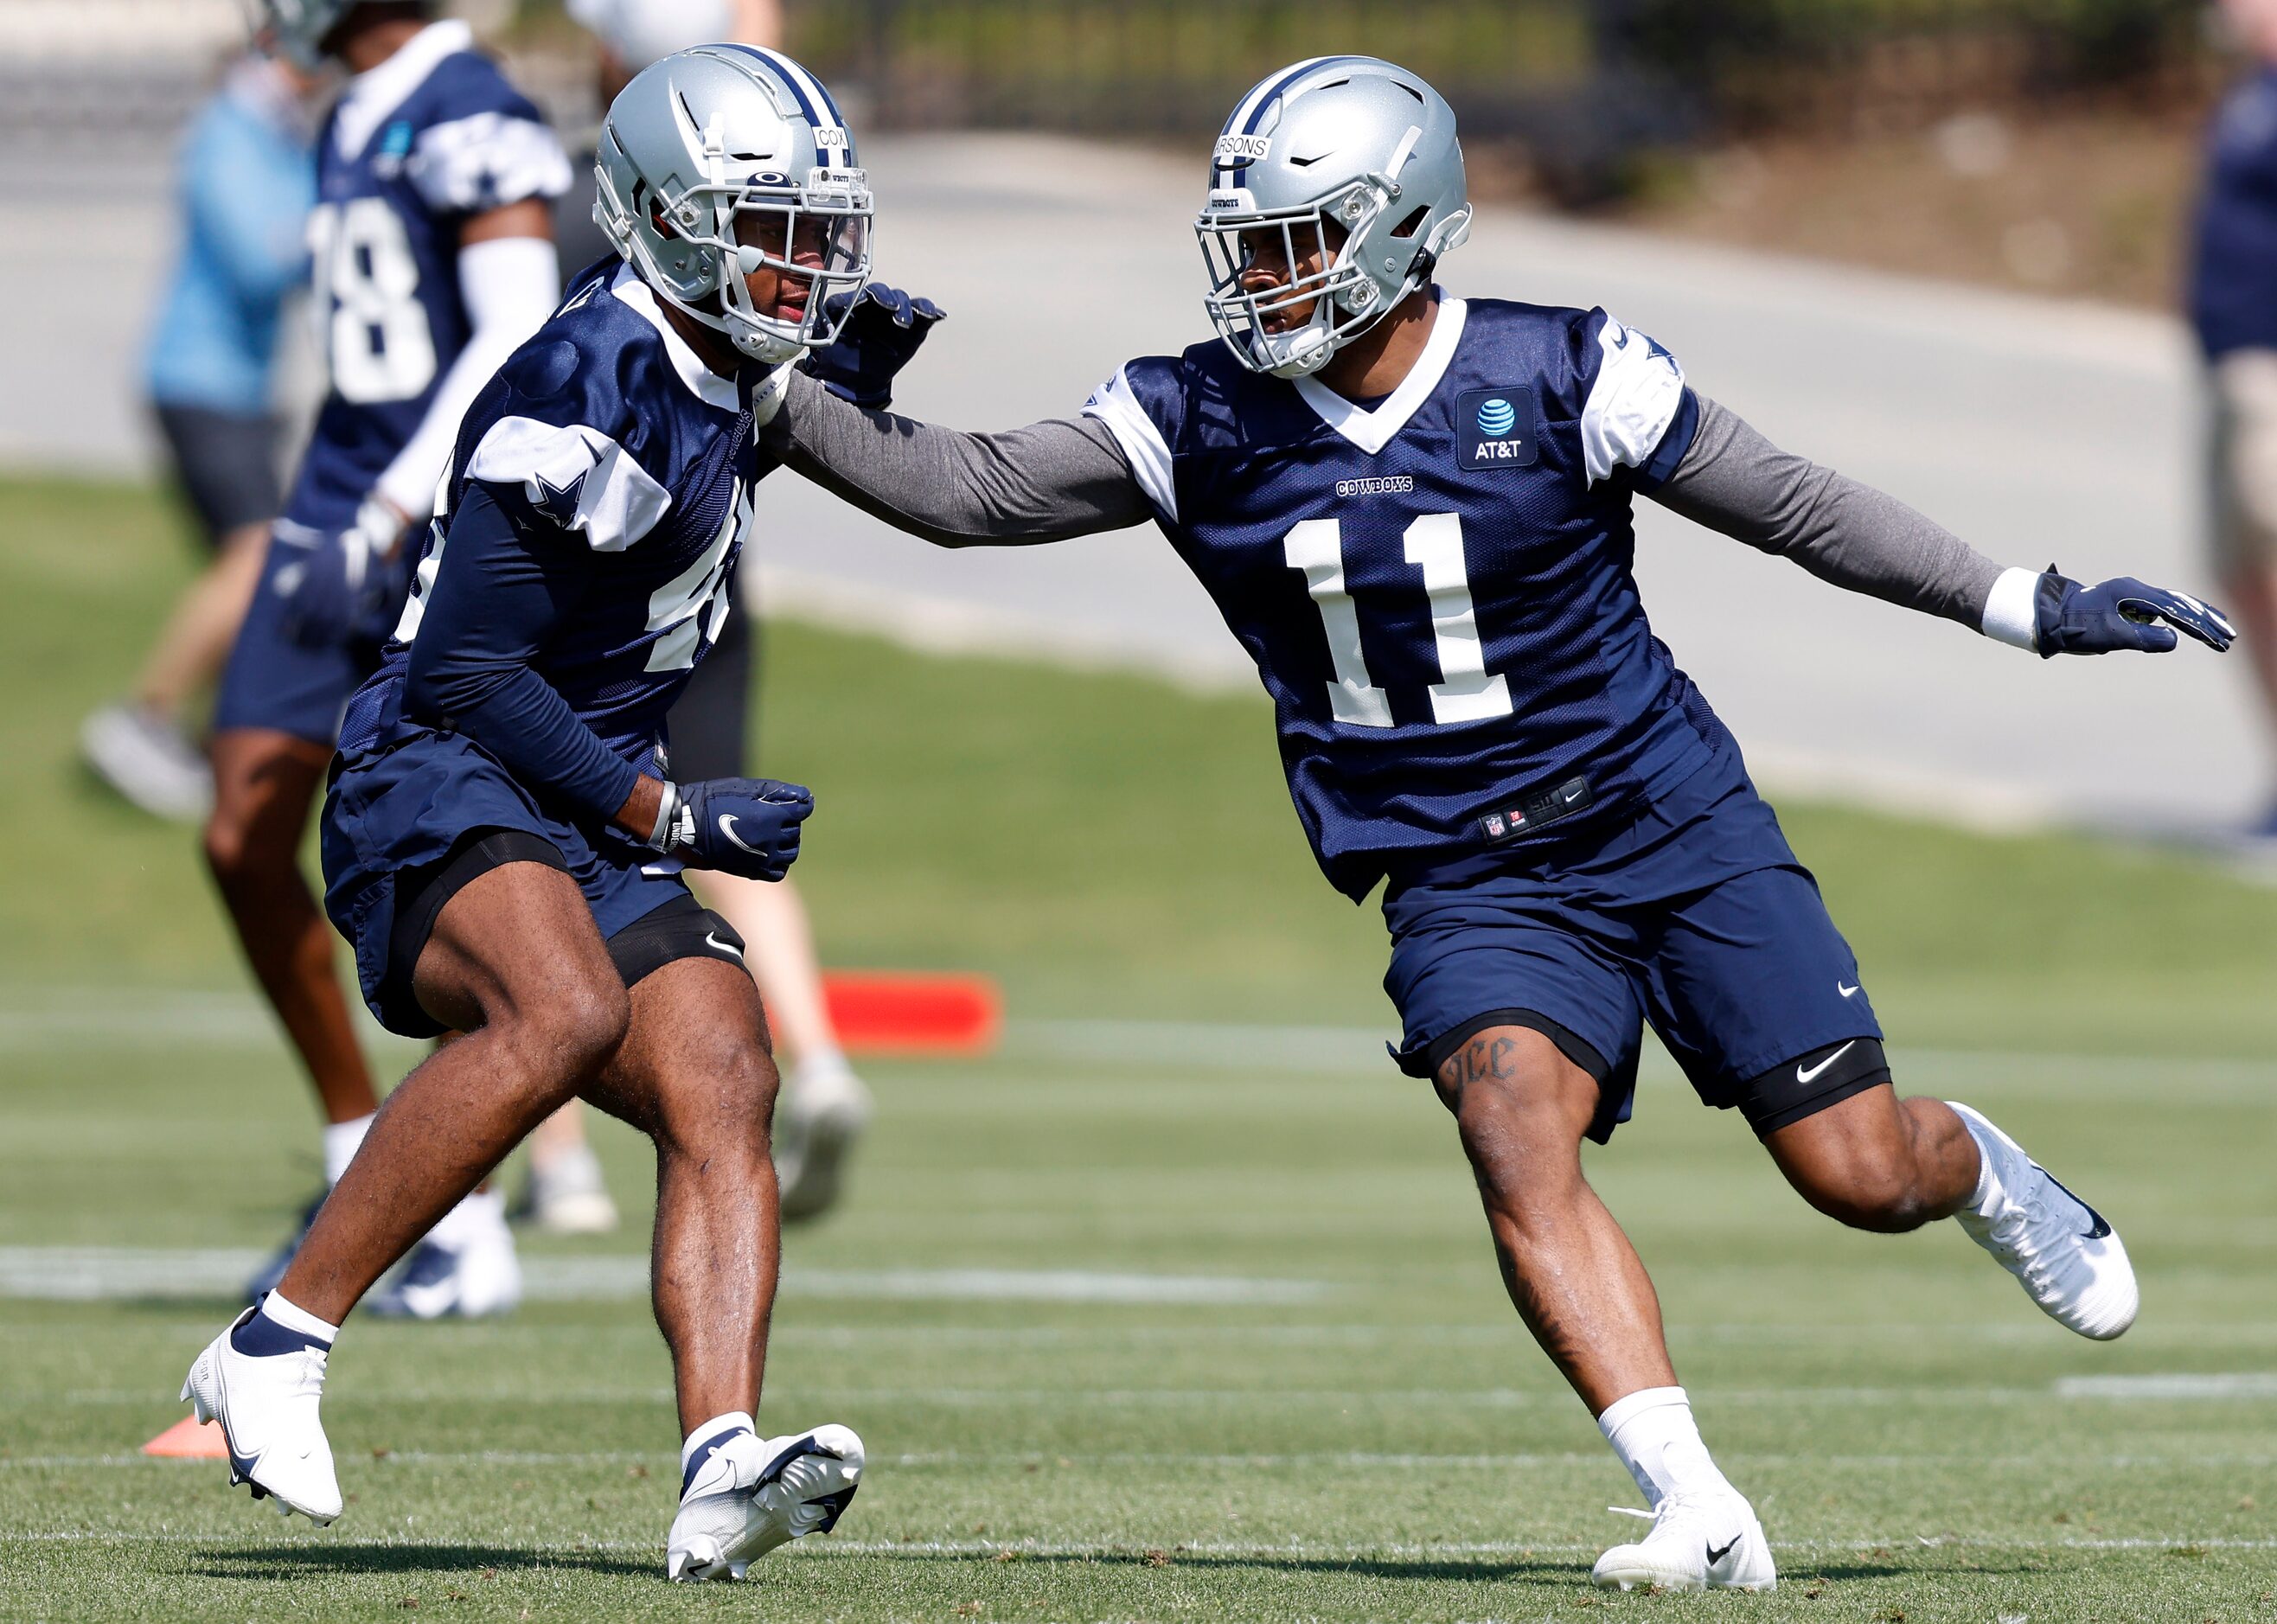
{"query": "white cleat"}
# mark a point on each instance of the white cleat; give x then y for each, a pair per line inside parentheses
(477, 1279)
(2071, 1261)
(743, 1496)
(824, 1110)
(567, 1196)
(267, 1409)
(148, 761)
(1710, 1542)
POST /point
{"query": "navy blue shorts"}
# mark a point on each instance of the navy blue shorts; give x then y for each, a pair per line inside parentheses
(1692, 913)
(394, 821)
(272, 682)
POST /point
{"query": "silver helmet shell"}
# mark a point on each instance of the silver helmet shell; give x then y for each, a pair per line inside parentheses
(717, 161)
(1353, 159)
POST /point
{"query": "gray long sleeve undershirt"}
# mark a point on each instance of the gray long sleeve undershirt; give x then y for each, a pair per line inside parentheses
(1067, 476)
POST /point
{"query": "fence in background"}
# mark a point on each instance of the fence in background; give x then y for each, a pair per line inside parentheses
(1580, 83)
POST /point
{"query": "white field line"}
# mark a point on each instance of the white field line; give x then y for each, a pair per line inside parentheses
(1507, 1334)
(1118, 1460)
(824, 1546)
(93, 1274)
(2180, 1384)
(1938, 1395)
(52, 1020)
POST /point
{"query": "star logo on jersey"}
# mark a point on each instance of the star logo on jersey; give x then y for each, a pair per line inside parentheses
(1497, 428)
(558, 503)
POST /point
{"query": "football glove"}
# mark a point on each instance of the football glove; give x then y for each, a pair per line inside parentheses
(738, 826)
(350, 582)
(883, 332)
(2123, 614)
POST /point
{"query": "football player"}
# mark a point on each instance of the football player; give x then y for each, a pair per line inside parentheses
(433, 257)
(1414, 512)
(503, 843)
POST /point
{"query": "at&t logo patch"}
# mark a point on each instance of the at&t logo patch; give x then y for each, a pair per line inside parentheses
(1497, 428)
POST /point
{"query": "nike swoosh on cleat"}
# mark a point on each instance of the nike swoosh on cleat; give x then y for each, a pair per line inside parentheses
(2098, 1225)
(1811, 1073)
(1716, 1556)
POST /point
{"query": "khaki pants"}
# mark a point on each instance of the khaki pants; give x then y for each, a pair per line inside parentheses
(2243, 464)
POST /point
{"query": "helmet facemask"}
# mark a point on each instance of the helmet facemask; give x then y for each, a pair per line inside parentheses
(816, 234)
(1340, 231)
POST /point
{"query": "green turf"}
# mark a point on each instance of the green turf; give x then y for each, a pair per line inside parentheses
(1378, 1442)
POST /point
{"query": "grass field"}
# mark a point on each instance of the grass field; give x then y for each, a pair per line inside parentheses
(1179, 1307)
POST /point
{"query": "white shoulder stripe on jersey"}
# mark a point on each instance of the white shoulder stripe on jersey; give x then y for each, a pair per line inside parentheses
(487, 161)
(1114, 404)
(1638, 393)
(618, 504)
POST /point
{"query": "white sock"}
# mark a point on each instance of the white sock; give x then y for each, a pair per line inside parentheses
(476, 1218)
(341, 1140)
(711, 1428)
(1654, 1435)
(293, 1316)
(1986, 1196)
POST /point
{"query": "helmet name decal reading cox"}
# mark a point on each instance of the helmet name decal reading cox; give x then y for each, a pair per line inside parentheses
(1497, 428)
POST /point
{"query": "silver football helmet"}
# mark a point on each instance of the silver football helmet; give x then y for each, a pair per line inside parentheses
(721, 160)
(1349, 159)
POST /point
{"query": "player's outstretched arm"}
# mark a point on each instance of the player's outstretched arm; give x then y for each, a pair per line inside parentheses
(1047, 481)
(1736, 481)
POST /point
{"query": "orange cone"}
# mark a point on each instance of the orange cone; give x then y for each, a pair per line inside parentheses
(889, 1012)
(189, 1439)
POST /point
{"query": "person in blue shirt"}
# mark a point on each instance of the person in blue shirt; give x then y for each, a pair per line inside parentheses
(505, 839)
(433, 257)
(248, 178)
(1414, 512)
(2233, 306)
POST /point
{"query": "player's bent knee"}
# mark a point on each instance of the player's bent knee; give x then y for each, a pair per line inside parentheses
(573, 1032)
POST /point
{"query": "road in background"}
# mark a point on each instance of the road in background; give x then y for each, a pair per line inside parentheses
(2039, 431)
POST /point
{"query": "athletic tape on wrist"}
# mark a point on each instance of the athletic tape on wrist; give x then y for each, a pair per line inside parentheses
(668, 813)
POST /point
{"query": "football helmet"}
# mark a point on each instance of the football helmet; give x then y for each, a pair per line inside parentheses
(1351, 158)
(717, 161)
(299, 27)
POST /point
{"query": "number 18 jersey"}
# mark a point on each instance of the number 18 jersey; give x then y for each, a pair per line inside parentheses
(1436, 589)
(430, 137)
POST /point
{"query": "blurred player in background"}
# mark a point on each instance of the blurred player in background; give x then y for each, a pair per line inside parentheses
(824, 1105)
(433, 258)
(504, 841)
(1415, 512)
(248, 178)
(2233, 307)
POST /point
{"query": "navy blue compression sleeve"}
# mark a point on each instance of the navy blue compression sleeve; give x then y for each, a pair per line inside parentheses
(496, 596)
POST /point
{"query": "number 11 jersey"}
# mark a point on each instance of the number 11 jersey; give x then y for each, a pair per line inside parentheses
(1436, 587)
(433, 135)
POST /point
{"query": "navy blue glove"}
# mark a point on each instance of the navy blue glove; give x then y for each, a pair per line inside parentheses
(2119, 614)
(884, 329)
(349, 583)
(738, 826)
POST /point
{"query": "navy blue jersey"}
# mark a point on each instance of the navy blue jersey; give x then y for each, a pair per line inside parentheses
(1438, 591)
(433, 135)
(2234, 272)
(613, 451)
